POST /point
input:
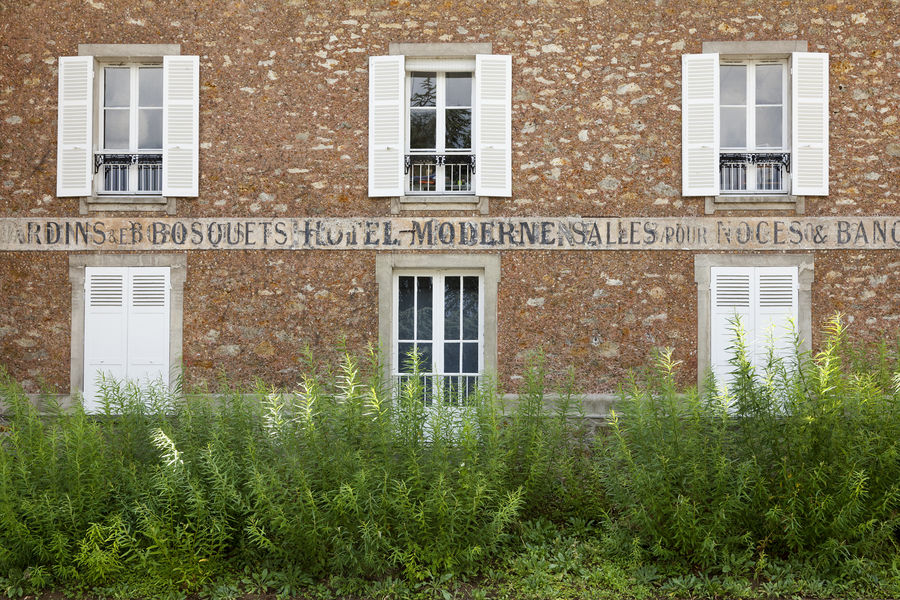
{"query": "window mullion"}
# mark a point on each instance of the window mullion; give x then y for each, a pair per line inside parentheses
(133, 127)
(440, 128)
(438, 323)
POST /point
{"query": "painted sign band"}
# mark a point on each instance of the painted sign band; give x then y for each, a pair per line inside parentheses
(500, 233)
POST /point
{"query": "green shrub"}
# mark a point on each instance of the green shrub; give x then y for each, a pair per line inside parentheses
(797, 461)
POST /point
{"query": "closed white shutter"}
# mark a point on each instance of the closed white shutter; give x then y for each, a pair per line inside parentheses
(700, 124)
(75, 110)
(105, 320)
(386, 125)
(732, 297)
(776, 312)
(181, 125)
(809, 131)
(148, 325)
(493, 125)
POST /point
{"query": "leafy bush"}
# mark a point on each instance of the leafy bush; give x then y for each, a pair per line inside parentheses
(343, 476)
(797, 461)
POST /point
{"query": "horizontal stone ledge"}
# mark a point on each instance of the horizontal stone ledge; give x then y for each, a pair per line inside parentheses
(142, 234)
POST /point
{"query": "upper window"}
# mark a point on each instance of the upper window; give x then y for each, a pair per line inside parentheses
(132, 126)
(755, 125)
(440, 126)
(128, 124)
(439, 155)
(753, 141)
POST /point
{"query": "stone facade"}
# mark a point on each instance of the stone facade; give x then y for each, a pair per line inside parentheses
(596, 130)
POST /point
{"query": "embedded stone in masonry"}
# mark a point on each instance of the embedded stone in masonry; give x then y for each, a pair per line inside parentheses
(499, 233)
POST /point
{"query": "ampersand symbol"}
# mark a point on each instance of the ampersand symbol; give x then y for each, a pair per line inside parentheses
(819, 234)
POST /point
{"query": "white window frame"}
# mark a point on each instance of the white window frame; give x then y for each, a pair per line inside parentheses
(438, 333)
(440, 109)
(124, 54)
(808, 173)
(78, 263)
(750, 133)
(440, 57)
(134, 108)
(388, 268)
(703, 263)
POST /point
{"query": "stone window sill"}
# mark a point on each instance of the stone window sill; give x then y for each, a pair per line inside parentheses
(448, 202)
(127, 204)
(756, 202)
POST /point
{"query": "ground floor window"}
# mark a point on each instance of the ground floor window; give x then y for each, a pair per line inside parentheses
(771, 297)
(126, 320)
(440, 322)
(442, 311)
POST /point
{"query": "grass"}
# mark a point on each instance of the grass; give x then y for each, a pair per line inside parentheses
(785, 485)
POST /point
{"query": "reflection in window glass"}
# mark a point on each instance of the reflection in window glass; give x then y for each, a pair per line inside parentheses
(424, 89)
(769, 84)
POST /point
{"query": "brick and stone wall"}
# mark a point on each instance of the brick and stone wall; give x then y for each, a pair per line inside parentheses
(596, 127)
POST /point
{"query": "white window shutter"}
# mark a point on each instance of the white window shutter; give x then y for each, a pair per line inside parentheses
(75, 109)
(732, 295)
(148, 325)
(809, 131)
(776, 312)
(387, 82)
(105, 324)
(181, 125)
(493, 125)
(700, 124)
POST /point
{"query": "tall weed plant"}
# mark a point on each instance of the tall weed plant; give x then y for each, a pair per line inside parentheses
(798, 460)
(345, 475)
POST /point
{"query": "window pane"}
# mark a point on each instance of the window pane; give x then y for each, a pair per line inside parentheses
(458, 129)
(733, 84)
(451, 308)
(150, 128)
(117, 86)
(768, 126)
(425, 358)
(115, 128)
(459, 89)
(451, 358)
(150, 86)
(768, 84)
(424, 89)
(405, 312)
(470, 358)
(470, 308)
(422, 129)
(404, 354)
(423, 308)
(733, 128)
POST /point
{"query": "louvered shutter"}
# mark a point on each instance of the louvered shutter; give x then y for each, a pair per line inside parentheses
(493, 125)
(75, 110)
(776, 312)
(700, 124)
(181, 125)
(105, 323)
(809, 131)
(732, 297)
(148, 325)
(387, 80)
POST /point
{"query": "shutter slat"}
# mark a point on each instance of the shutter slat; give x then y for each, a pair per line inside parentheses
(809, 131)
(181, 125)
(700, 124)
(75, 109)
(493, 125)
(386, 127)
